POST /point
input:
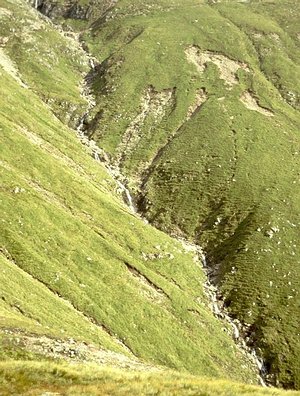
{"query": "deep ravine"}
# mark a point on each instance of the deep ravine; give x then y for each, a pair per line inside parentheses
(211, 291)
(215, 299)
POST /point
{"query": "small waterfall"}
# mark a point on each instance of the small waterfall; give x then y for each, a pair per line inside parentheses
(127, 196)
(95, 150)
(81, 122)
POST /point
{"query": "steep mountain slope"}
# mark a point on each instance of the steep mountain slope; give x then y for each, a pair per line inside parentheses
(23, 38)
(75, 263)
(207, 133)
(198, 103)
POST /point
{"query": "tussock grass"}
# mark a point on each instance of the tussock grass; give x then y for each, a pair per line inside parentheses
(34, 378)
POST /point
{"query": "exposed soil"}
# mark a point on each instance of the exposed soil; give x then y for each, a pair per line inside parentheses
(201, 97)
(153, 104)
(10, 68)
(227, 67)
(251, 103)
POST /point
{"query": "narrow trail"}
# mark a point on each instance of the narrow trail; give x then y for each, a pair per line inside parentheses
(216, 303)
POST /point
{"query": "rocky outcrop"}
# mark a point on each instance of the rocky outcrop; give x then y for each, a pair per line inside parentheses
(72, 9)
(69, 10)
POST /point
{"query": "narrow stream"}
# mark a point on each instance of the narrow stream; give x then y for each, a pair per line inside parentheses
(220, 312)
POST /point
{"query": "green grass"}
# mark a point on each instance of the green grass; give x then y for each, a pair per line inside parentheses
(32, 378)
(227, 162)
(75, 242)
(271, 28)
(68, 242)
(39, 63)
(223, 178)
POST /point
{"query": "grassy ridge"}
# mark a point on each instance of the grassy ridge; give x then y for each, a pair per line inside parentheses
(228, 177)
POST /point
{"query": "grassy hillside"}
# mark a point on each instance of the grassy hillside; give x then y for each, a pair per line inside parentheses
(198, 103)
(55, 70)
(75, 263)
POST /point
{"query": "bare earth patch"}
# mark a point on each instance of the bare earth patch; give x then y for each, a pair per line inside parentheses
(251, 103)
(5, 13)
(8, 66)
(227, 67)
(75, 351)
(201, 97)
(275, 37)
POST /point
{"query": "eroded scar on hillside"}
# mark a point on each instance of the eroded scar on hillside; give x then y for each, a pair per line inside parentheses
(154, 105)
(227, 67)
(251, 103)
(8, 66)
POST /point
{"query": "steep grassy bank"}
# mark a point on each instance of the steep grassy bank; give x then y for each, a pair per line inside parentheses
(80, 244)
(198, 103)
(75, 263)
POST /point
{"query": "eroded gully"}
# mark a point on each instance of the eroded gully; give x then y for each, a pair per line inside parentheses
(215, 300)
